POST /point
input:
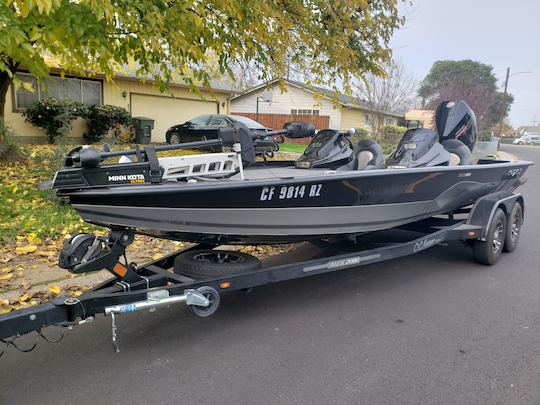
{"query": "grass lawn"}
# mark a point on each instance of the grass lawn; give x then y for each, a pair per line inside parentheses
(25, 211)
(292, 147)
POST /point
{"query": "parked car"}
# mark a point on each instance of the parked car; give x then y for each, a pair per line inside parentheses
(522, 140)
(206, 127)
(533, 139)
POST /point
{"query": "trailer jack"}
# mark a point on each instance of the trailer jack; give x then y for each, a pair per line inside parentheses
(204, 301)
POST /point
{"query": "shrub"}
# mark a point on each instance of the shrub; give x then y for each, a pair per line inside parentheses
(485, 135)
(102, 118)
(360, 133)
(54, 116)
(393, 129)
(7, 141)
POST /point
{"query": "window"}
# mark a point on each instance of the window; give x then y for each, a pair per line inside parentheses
(304, 112)
(84, 91)
(199, 121)
(216, 121)
(389, 121)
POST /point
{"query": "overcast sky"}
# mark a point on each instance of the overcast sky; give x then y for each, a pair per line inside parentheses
(495, 32)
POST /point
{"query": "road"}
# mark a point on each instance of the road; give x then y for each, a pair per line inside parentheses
(433, 328)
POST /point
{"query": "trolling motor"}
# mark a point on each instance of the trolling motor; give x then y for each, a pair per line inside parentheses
(85, 253)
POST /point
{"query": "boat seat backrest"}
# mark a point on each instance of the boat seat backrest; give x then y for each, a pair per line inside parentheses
(460, 154)
(368, 155)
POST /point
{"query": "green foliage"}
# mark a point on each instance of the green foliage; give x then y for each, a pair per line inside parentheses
(292, 147)
(196, 41)
(393, 129)
(362, 133)
(359, 134)
(7, 138)
(102, 118)
(55, 116)
(463, 73)
(466, 80)
(485, 135)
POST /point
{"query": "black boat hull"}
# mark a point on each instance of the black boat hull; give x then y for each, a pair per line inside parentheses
(285, 209)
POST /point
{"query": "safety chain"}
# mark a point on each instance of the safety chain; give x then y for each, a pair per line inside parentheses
(12, 341)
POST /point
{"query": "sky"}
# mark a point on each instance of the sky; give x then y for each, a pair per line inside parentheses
(496, 32)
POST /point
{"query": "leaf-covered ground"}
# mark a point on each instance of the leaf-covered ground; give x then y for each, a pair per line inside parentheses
(34, 225)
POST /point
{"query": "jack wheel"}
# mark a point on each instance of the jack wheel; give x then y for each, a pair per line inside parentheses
(213, 296)
(489, 251)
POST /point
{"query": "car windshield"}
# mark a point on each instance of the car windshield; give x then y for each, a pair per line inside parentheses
(248, 122)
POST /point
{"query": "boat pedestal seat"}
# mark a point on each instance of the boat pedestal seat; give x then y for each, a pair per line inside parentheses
(367, 154)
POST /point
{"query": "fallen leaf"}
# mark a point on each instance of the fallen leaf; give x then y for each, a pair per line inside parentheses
(6, 270)
(4, 301)
(6, 277)
(24, 298)
(24, 250)
(55, 289)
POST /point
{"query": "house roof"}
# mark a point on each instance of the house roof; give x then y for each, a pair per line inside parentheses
(343, 99)
(129, 72)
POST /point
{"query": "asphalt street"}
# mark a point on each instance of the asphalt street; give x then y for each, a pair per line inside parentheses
(433, 328)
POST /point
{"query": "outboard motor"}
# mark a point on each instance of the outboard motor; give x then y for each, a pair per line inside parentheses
(328, 149)
(417, 148)
(456, 120)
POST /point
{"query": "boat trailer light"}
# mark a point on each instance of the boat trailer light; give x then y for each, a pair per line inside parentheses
(471, 233)
(225, 285)
(120, 270)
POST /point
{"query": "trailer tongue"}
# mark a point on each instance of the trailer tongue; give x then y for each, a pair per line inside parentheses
(492, 225)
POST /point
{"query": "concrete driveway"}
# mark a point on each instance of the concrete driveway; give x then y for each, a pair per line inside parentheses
(434, 328)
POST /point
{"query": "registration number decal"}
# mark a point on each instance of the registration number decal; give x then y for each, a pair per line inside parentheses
(290, 192)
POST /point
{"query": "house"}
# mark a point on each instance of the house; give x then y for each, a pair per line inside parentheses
(177, 105)
(420, 118)
(528, 130)
(290, 99)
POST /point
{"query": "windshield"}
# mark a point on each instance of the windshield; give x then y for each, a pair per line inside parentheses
(248, 122)
(319, 140)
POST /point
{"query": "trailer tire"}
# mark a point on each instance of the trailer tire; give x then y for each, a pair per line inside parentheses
(488, 251)
(514, 222)
(207, 263)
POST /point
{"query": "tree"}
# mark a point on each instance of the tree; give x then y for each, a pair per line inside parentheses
(173, 40)
(396, 92)
(468, 80)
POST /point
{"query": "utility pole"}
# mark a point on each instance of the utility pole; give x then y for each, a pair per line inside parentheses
(503, 110)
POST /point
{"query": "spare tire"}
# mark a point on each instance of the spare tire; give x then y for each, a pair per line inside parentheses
(207, 263)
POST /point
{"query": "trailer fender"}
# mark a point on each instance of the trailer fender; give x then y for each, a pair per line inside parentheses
(484, 209)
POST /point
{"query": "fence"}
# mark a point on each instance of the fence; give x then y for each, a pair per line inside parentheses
(276, 121)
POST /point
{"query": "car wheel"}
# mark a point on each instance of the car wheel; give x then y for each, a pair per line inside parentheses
(175, 138)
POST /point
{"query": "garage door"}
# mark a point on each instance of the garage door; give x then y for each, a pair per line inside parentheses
(167, 111)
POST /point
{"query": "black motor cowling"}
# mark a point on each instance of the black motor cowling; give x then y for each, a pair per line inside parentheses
(418, 148)
(328, 149)
(456, 120)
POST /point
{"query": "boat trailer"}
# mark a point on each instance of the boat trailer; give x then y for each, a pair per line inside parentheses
(153, 285)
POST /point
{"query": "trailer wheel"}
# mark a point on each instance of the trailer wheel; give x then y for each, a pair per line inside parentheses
(207, 263)
(514, 223)
(213, 296)
(488, 251)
